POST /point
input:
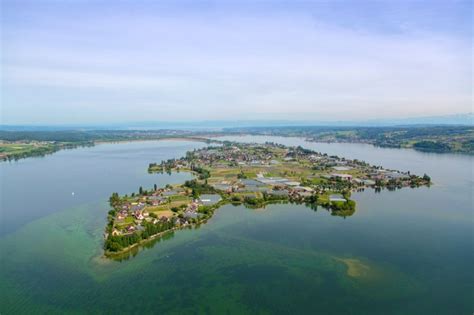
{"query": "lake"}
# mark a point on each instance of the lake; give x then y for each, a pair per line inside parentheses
(408, 251)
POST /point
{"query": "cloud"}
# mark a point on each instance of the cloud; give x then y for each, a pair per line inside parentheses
(212, 65)
(76, 79)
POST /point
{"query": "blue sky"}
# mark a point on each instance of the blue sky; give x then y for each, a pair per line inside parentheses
(101, 62)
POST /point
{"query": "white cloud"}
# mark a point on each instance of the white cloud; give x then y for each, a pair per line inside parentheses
(235, 65)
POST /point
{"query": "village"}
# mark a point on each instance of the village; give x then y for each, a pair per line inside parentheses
(249, 174)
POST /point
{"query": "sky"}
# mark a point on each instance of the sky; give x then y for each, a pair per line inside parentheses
(72, 62)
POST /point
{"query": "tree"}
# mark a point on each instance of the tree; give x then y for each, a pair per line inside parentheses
(155, 187)
(140, 190)
(426, 178)
(114, 200)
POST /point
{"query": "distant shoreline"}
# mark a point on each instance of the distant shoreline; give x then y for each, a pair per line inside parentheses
(181, 138)
(43, 148)
(16, 145)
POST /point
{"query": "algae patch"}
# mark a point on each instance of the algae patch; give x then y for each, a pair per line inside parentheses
(355, 268)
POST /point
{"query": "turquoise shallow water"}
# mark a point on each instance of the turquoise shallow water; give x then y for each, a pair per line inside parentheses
(403, 252)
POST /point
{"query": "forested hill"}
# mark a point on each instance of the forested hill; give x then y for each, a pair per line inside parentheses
(458, 139)
(16, 145)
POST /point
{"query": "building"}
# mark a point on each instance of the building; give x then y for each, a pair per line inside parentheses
(341, 176)
(368, 182)
(342, 168)
(337, 198)
(279, 192)
(291, 183)
(209, 200)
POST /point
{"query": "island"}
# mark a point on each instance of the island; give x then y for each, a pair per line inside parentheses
(253, 175)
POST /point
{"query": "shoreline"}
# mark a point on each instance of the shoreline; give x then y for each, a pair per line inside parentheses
(311, 140)
(217, 206)
(109, 254)
(71, 146)
(180, 138)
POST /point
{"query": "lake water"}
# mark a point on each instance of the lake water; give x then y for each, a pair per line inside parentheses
(404, 252)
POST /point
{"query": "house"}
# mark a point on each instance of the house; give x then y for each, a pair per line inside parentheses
(272, 180)
(377, 176)
(170, 193)
(279, 192)
(337, 198)
(264, 189)
(138, 215)
(397, 175)
(341, 176)
(301, 188)
(305, 193)
(368, 182)
(255, 189)
(180, 221)
(342, 168)
(137, 207)
(209, 199)
(190, 215)
(224, 187)
(291, 183)
(250, 182)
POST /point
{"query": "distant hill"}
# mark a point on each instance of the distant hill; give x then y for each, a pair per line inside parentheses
(458, 119)
(214, 125)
